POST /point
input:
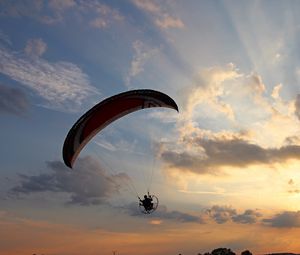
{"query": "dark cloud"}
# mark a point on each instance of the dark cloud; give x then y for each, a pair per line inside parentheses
(223, 214)
(235, 152)
(297, 191)
(285, 219)
(13, 100)
(297, 106)
(87, 184)
(163, 213)
(290, 140)
(219, 214)
(248, 217)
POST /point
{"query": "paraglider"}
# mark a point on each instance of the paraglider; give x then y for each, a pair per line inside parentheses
(106, 112)
(148, 204)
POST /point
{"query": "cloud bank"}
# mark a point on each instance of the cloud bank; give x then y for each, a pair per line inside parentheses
(229, 120)
(88, 184)
(223, 214)
(217, 153)
(163, 213)
(287, 219)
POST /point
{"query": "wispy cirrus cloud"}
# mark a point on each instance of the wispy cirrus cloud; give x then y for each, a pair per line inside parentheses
(62, 85)
(162, 18)
(13, 100)
(55, 11)
(88, 184)
(142, 53)
(35, 47)
(167, 21)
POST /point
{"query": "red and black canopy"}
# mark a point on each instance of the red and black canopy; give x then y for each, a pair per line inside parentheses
(105, 113)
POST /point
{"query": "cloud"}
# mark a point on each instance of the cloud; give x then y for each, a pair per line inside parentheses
(227, 119)
(88, 184)
(99, 23)
(162, 213)
(55, 11)
(155, 222)
(162, 18)
(217, 153)
(208, 90)
(142, 53)
(26, 8)
(248, 217)
(276, 91)
(63, 85)
(102, 15)
(219, 214)
(169, 22)
(13, 100)
(60, 5)
(223, 214)
(148, 5)
(297, 191)
(35, 47)
(222, 99)
(297, 106)
(287, 219)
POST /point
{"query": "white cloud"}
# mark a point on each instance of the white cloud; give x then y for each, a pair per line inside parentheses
(35, 47)
(63, 85)
(229, 119)
(99, 23)
(209, 89)
(148, 5)
(104, 15)
(276, 91)
(162, 18)
(142, 53)
(169, 22)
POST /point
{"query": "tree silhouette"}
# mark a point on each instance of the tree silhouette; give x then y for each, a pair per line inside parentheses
(222, 251)
(246, 252)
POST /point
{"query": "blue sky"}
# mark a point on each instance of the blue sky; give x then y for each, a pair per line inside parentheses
(227, 163)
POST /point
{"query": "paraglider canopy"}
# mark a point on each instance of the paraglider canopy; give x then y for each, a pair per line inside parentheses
(105, 113)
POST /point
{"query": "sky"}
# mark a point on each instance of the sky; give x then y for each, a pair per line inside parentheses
(226, 168)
